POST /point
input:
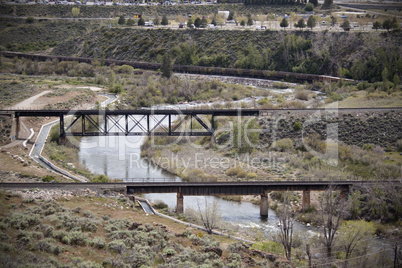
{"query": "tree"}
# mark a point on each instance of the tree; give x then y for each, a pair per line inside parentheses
(165, 20)
(345, 25)
(210, 216)
(190, 22)
(311, 22)
(309, 7)
(75, 11)
(385, 74)
(333, 20)
(314, 2)
(354, 234)
(333, 209)
(130, 22)
(231, 15)
(242, 23)
(286, 220)
(389, 24)
(328, 3)
(156, 21)
(197, 22)
(167, 66)
(214, 21)
(284, 23)
(377, 25)
(141, 22)
(300, 24)
(204, 22)
(122, 20)
(249, 20)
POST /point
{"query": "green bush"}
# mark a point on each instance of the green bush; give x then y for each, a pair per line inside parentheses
(30, 20)
(48, 178)
(282, 145)
(100, 178)
(117, 246)
(21, 221)
(297, 126)
(98, 242)
(236, 172)
(76, 238)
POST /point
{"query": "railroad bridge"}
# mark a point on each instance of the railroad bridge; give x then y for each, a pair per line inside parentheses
(140, 122)
(154, 122)
(182, 189)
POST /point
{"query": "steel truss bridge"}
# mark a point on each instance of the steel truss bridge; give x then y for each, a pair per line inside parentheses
(142, 122)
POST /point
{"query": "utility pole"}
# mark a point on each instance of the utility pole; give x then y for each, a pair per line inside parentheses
(396, 255)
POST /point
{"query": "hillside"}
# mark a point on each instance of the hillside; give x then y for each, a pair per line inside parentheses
(64, 11)
(361, 56)
(87, 229)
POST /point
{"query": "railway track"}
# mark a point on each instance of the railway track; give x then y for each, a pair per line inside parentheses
(260, 74)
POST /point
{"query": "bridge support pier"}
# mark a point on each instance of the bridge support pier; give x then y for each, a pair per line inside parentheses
(264, 205)
(306, 200)
(179, 205)
(17, 127)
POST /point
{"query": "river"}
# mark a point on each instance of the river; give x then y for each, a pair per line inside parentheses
(119, 157)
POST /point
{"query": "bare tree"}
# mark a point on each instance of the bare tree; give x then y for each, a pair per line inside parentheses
(285, 233)
(210, 216)
(333, 208)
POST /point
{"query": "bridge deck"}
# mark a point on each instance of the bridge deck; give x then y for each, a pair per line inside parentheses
(204, 188)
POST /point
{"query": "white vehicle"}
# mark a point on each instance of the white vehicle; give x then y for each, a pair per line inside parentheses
(149, 24)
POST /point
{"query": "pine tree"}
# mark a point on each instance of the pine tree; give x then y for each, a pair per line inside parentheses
(284, 23)
(122, 20)
(167, 66)
(312, 22)
(141, 22)
(165, 20)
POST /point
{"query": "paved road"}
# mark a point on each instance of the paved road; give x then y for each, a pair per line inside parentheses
(44, 132)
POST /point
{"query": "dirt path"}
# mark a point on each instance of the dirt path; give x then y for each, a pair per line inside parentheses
(30, 102)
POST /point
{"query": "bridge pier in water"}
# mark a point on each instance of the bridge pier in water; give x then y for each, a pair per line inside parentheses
(306, 200)
(264, 205)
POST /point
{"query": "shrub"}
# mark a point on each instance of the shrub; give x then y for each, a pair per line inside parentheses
(117, 245)
(297, 126)
(302, 95)
(30, 20)
(236, 171)
(22, 221)
(48, 245)
(309, 7)
(169, 252)
(98, 242)
(160, 204)
(76, 238)
(100, 178)
(48, 178)
(283, 145)
(237, 247)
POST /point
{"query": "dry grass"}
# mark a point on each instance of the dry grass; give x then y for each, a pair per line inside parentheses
(359, 99)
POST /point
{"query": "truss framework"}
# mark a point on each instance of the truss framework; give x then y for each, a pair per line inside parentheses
(137, 125)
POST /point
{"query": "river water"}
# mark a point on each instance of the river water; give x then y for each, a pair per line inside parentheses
(119, 157)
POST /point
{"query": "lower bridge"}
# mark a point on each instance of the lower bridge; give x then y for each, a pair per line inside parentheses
(213, 188)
